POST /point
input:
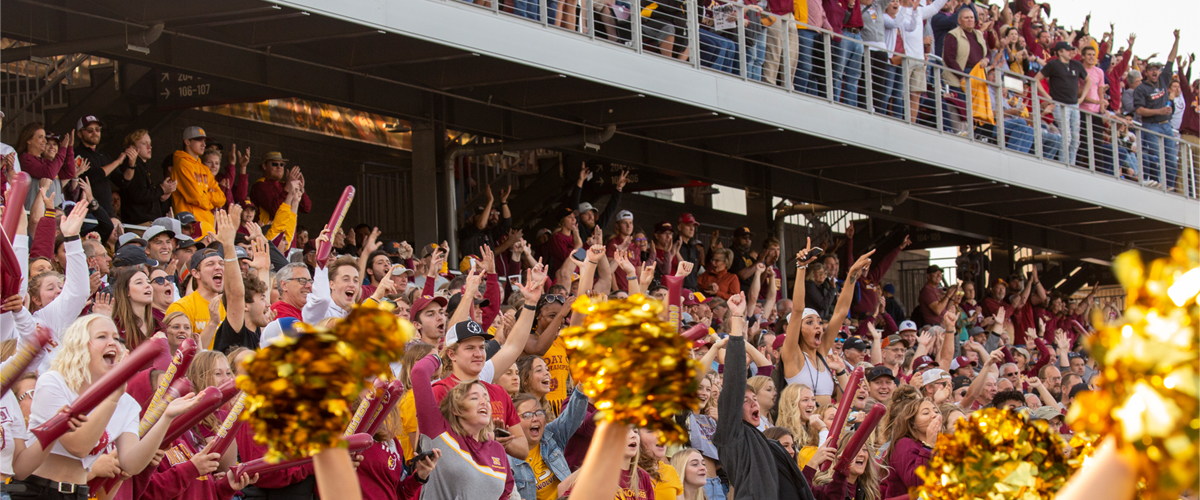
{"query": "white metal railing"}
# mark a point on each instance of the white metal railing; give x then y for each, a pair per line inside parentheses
(856, 74)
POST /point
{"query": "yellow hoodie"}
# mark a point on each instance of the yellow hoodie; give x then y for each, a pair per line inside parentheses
(197, 191)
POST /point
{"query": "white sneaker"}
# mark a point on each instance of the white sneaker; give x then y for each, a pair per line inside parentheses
(1150, 183)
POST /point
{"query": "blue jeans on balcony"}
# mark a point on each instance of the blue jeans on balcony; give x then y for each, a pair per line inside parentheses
(1018, 134)
(756, 55)
(717, 52)
(847, 68)
(527, 9)
(806, 79)
(1051, 143)
(1154, 145)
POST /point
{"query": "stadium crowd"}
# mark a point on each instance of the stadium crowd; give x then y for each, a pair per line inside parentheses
(907, 58)
(490, 409)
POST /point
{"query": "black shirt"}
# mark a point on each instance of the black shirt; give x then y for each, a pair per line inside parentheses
(1064, 80)
(1153, 95)
(226, 338)
(101, 189)
(141, 197)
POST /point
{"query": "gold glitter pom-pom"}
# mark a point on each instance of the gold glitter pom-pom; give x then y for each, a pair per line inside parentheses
(297, 388)
(995, 455)
(638, 369)
(1149, 364)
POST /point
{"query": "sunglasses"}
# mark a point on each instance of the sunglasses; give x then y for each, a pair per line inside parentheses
(161, 280)
(639, 240)
(276, 164)
(554, 299)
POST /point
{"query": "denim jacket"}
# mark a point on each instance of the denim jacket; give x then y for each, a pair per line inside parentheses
(554, 441)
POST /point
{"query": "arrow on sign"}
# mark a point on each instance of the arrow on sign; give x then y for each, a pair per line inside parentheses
(166, 93)
(166, 77)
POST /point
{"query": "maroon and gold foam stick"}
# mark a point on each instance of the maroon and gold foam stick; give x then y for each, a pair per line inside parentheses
(228, 430)
(839, 418)
(376, 397)
(394, 391)
(207, 402)
(860, 436)
(27, 351)
(137, 361)
(179, 365)
(335, 222)
(357, 443)
(15, 204)
(674, 299)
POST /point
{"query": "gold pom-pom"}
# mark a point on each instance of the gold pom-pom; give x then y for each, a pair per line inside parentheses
(1150, 370)
(297, 388)
(996, 455)
(638, 369)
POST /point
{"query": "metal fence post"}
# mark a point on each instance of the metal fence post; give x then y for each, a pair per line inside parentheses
(868, 81)
(1116, 150)
(1091, 148)
(965, 82)
(636, 14)
(828, 66)
(937, 94)
(999, 111)
(741, 35)
(1038, 145)
(693, 24)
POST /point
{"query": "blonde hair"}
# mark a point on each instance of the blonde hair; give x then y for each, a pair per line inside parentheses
(200, 373)
(757, 383)
(873, 472)
(7, 349)
(679, 461)
(73, 356)
(172, 316)
(791, 418)
(453, 403)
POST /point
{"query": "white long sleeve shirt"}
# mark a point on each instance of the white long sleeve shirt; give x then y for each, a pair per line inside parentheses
(912, 28)
(65, 309)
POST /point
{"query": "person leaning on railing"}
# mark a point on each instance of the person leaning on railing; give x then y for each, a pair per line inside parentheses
(1150, 101)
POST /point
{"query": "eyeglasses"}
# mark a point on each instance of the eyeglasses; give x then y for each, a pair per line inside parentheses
(91, 130)
(301, 281)
(161, 280)
(530, 414)
(275, 164)
(639, 240)
(26, 394)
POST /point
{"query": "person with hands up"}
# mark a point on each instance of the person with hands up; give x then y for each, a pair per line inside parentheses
(142, 200)
(806, 345)
(269, 191)
(55, 300)
(757, 467)
(590, 217)
(490, 224)
(245, 297)
(89, 350)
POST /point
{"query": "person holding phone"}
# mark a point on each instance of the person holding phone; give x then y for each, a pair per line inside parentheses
(473, 464)
(383, 474)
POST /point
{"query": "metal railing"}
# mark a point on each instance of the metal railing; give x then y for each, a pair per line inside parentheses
(840, 68)
(28, 88)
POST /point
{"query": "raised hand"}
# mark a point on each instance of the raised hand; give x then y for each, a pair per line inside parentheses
(622, 260)
(504, 192)
(622, 180)
(372, 242)
(925, 338)
(169, 185)
(260, 253)
(737, 304)
(226, 228)
(684, 268)
(74, 221)
(103, 304)
(179, 406)
(532, 287)
(860, 265)
(214, 309)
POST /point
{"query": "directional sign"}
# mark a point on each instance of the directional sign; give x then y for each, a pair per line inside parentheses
(186, 90)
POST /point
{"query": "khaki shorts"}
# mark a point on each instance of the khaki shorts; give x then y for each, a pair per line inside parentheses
(914, 71)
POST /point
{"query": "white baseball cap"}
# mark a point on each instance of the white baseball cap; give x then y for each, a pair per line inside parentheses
(934, 375)
(907, 325)
(624, 215)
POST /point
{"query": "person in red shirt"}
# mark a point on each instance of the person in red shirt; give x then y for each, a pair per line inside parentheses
(295, 283)
(268, 192)
(564, 239)
(466, 353)
(623, 241)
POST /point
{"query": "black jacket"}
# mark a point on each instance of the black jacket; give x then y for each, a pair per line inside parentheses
(141, 197)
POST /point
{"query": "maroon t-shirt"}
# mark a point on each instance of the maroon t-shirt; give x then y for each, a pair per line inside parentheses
(619, 276)
(1022, 321)
(381, 473)
(502, 405)
(929, 296)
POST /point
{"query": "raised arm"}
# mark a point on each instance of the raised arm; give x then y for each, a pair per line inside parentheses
(470, 290)
(976, 387)
(791, 344)
(539, 344)
(430, 421)
(518, 338)
(733, 387)
(843, 302)
(235, 290)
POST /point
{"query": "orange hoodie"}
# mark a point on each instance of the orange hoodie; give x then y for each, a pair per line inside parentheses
(197, 191)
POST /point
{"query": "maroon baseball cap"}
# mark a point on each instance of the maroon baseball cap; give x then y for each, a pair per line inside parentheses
(422, 302)
(922, 362)
(960, 362)
(687, 219)
(663, 227)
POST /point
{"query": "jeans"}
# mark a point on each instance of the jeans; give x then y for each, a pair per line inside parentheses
(1153, 144)
(717, 52)
(756, 55)
(804, 72)
(527, 9)
(895, 90)
(714, 490)
(1067, 119)
(1018, 134)
(1051, 144)
(847, 68)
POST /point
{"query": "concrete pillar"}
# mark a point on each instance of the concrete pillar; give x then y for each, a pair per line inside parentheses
(428, 214)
